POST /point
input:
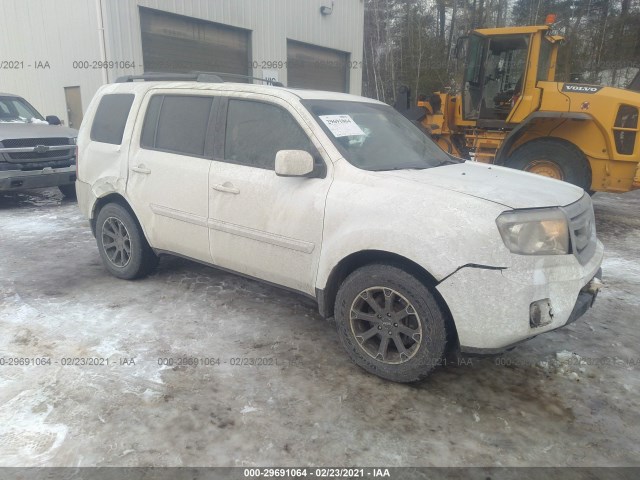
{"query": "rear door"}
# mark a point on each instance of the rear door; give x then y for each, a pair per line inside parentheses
(263, 225)
(169, 161)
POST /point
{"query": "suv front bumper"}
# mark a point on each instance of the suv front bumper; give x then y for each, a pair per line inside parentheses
(47, 177)
(492, 309)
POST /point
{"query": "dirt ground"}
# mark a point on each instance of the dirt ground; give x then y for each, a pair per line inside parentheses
(567, 398)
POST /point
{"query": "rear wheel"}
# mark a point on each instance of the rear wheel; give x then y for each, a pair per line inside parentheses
(122, 244)
(390, 323)
(555, 159)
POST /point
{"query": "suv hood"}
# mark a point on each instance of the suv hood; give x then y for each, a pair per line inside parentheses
(34, 130)
(505, 186)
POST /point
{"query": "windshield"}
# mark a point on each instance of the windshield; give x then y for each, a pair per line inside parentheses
(376, 137)
(17, 110)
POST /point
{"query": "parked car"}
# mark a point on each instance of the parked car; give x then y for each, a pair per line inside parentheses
(34, 152)
(340, 198)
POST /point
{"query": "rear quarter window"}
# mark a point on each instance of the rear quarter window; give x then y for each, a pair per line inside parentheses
(111, 118)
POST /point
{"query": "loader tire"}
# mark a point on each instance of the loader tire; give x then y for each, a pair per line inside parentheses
(553, 158)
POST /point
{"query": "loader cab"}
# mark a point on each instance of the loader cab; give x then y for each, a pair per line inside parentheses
(496, 71)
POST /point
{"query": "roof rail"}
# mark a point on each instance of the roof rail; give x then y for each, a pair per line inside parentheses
(205, 77)
(167, 77)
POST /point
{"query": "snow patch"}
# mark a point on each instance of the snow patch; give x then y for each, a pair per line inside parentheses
(565, 363)
(25, 435)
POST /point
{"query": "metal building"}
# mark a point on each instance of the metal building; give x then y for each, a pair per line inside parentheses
(57, 54)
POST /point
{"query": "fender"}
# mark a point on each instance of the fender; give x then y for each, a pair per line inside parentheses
(521, 129)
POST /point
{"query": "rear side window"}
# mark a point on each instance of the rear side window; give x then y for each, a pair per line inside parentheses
(111, 118)
(177, 124)
(256, 131)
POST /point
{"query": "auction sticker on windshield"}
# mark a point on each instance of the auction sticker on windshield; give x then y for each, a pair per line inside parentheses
(341, 125)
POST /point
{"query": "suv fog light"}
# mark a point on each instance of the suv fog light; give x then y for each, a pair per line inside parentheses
(540, 313)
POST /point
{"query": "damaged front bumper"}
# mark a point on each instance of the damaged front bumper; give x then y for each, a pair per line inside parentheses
(496, 309)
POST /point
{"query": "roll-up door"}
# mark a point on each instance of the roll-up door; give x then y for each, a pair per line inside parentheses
(310, 66)
(175, 43)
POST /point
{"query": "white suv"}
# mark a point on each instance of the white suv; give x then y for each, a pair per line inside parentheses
(344, 200)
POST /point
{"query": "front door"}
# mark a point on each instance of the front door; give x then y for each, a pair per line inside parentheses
(263, 225)
(169, 168)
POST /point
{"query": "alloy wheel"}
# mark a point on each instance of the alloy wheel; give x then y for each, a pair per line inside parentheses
(116, 242)
(385, 325)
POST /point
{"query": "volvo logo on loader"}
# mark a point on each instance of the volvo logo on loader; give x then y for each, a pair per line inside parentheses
(574, 87)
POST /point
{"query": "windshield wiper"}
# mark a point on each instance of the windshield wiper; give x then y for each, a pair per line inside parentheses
(402, 168)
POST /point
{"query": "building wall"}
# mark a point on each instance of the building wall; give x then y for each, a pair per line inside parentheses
(271, 22)
(60, 33)
(64, 31)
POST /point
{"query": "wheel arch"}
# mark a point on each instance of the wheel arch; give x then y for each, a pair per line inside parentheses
(326, 297)
(112, 197)
(512, 141)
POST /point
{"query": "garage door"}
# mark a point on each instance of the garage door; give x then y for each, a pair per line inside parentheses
(309, 66)
(175, 43)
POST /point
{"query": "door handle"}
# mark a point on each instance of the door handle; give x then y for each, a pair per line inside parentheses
(226, 187)
(141, 169)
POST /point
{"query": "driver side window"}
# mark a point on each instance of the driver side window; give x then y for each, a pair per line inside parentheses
(256, 131)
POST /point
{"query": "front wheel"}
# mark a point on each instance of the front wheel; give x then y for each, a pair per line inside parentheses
(122, 244)
(390, 323)
(553, 158)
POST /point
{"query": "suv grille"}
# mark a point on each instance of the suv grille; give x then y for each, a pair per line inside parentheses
(582, 228)
(34, 156)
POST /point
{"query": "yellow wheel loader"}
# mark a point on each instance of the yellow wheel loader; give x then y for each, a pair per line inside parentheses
(511, 112)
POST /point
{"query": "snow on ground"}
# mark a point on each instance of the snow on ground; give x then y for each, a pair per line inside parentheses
(570, 397)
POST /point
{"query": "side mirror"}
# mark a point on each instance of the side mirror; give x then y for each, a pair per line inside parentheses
(293, 163)
(460, 51)
(53, 120)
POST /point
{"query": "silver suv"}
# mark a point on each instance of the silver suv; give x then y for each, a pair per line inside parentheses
(34, 152)
(344, 200)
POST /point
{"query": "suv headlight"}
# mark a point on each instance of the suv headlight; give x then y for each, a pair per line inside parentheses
(542, 231)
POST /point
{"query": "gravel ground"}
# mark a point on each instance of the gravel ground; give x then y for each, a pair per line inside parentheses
(567, 398)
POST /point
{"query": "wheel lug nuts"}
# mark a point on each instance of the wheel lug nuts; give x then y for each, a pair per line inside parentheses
(379, 316)
(395, 324)
(379, 327)
(388, 314)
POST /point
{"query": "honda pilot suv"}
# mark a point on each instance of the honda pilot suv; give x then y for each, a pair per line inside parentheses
(34, 152)
(344, 200)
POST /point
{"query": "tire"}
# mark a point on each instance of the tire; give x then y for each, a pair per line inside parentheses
(117, 229)
(553, 155)
(362, 326)
(68, 191)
